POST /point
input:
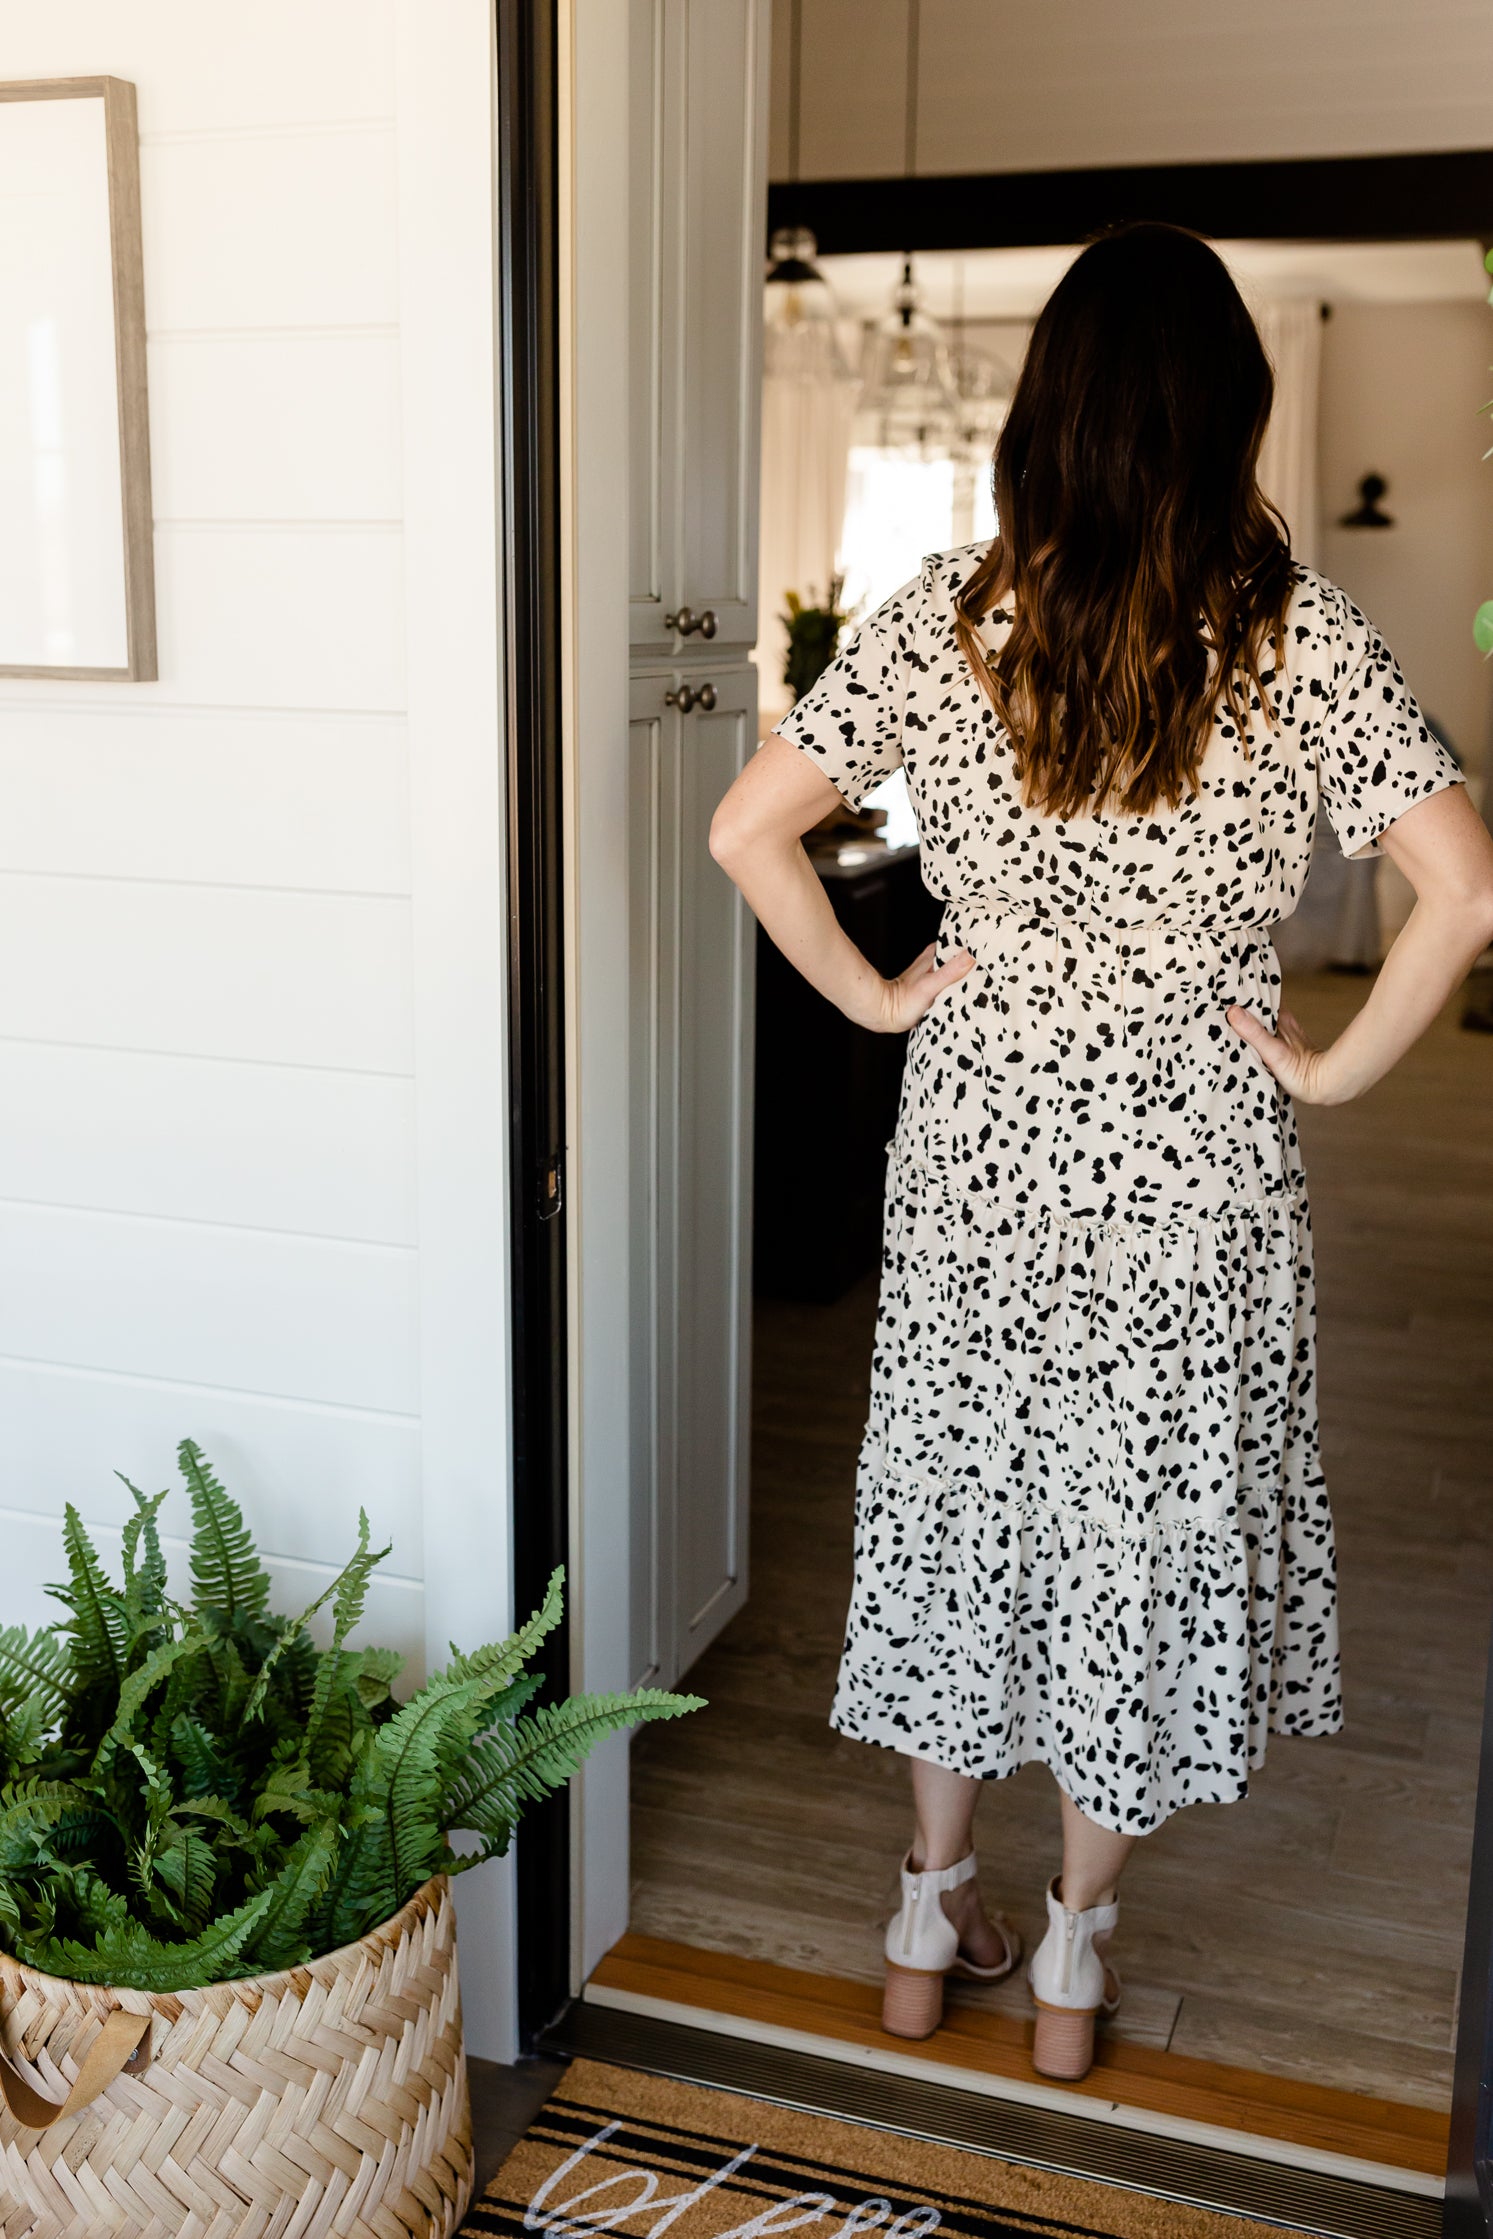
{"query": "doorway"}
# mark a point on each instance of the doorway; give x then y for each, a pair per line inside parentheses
(759, 1833)
(759, 1675)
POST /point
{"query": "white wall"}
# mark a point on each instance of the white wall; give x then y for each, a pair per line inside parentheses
(237, 904)
(1401, 389)
(1007, 87)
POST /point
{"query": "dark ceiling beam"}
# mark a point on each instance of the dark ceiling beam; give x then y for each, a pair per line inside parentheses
(1311, 198)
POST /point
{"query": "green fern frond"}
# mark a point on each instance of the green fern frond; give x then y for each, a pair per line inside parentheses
(335, 1671)
(40, 1815)
(188, 1869)
(97, 1632)
(529, 1759)
(505, 1658)
(364, 1888)
(141, 1685)
(145, 1586)
(378, 1668)
(350, 1590)
(230, 1587)
(206, 1769)
(279, 1940)
(133, 1959)
(405, 1769)
(32, 1663)
(230, 1685)
(22, 1732)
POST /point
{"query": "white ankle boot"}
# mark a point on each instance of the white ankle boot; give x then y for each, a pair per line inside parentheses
(1072, 1984)
(922, 1946)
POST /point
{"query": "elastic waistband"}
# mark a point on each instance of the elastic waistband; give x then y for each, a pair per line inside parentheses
(969, 920)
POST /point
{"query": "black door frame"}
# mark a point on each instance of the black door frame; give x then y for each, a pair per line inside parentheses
(529, 452)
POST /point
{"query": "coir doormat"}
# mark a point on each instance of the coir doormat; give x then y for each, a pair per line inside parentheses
(614, 2151)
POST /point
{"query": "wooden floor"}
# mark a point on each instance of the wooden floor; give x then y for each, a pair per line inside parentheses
(1313, 1931)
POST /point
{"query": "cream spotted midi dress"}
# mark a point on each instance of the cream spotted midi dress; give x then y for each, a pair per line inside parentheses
(1091, 1522)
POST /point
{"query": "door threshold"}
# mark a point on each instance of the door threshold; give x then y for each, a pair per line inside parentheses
(1240, 2112)
(1331, 2207)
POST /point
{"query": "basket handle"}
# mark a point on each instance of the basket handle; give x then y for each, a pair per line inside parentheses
(123, 2043)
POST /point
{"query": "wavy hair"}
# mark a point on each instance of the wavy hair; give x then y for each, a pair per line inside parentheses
(1148, 576)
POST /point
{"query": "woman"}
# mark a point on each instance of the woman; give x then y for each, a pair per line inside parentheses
(1092, 1527)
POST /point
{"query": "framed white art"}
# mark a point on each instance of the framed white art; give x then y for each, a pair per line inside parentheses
(77, 588)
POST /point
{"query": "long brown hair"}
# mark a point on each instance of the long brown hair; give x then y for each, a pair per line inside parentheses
(1147, 574)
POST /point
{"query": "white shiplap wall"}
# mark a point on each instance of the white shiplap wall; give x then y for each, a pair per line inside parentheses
(208, 1161)
(1001, 85)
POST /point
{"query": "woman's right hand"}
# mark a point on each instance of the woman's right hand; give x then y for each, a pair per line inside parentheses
(905, 999)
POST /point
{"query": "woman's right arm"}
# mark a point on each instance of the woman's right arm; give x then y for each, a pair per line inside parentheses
(1443, 847)
(756, 837)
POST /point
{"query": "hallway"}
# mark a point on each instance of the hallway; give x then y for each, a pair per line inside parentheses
(1315, 1931)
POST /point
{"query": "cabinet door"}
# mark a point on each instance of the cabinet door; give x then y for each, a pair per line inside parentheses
(692, 961)
(656, 207)
(725, 164)
(698, 202)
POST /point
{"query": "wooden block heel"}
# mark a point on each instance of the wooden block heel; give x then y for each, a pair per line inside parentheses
(912, 2003)
(1063, 2046)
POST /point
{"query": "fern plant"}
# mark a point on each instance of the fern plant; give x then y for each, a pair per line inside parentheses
(194, 1792)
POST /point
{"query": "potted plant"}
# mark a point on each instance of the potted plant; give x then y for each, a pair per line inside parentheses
(813, 637)
(225, 1860)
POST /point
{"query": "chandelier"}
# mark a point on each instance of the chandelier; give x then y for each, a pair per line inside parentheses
(802, 341)
(909, 399)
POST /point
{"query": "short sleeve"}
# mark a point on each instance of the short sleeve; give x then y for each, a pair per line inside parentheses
(1377, 755)
(851, 720)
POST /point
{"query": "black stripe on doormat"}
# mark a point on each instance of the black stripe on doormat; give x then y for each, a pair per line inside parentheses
(1074, 2145)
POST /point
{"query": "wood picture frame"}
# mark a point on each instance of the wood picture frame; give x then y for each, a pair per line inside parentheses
(126, 262)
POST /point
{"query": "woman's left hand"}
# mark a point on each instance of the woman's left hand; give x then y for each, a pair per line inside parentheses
(1303, 1070)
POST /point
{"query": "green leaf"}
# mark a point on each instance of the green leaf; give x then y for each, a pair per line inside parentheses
(98, 1630)
(229, 1584)
(142, 1683)
(530, 1759)
(187, 1868)
(206, 1769)
(49, 1815)
(335, 1672)
(1482, 627)
(133, 1959)
(378, 1668)
(145, 1586)
(32, 1663)
(279, 1940)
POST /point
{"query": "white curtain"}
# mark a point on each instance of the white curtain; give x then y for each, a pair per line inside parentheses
(1337, 921)
(806, 426)
(1291, 331)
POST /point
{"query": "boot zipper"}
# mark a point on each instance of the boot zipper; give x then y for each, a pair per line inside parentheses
(1070, 1930)
(908, 1914)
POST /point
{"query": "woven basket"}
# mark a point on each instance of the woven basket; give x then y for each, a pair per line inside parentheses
(330, 2099)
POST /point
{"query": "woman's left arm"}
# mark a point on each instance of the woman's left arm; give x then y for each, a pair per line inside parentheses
(1443, 847)
(756, 836)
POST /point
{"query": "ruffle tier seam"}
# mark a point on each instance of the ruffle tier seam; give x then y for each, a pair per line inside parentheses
(1034, 1509)
(1122, 1226)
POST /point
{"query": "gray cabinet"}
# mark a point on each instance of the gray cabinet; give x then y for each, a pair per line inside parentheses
(691, 977)
(698, 106)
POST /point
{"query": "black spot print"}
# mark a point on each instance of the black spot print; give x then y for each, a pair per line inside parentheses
(1091, 1523)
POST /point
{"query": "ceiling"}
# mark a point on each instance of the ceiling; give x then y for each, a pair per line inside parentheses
(1015, 283)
